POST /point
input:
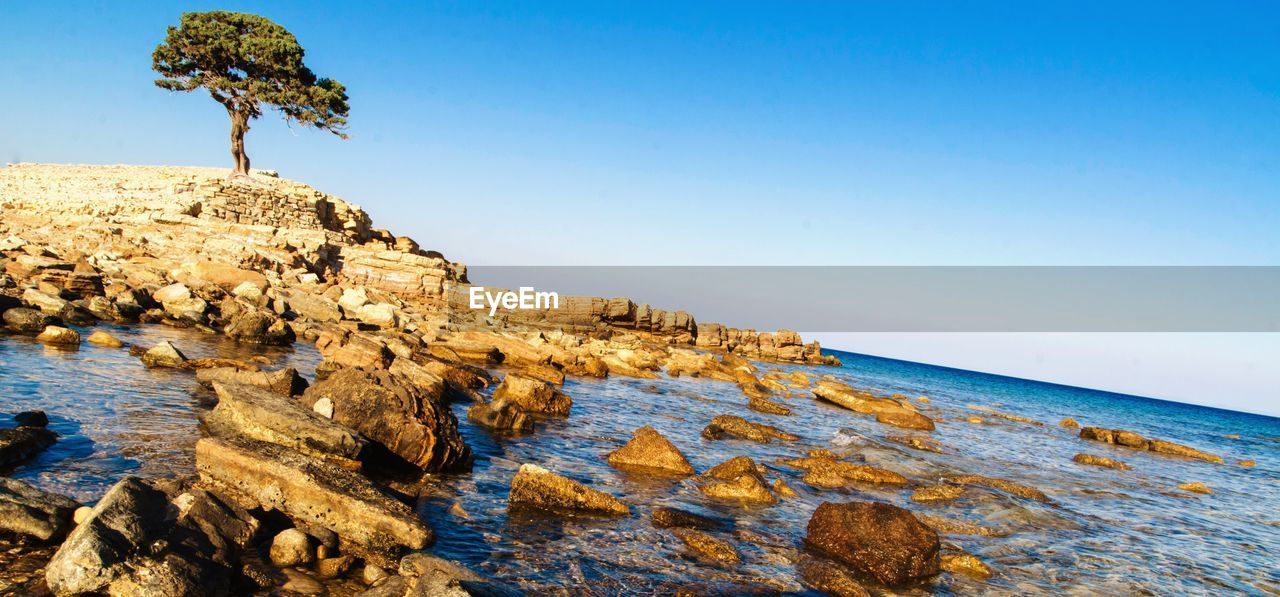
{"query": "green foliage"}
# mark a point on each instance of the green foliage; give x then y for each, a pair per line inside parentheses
(245, 62)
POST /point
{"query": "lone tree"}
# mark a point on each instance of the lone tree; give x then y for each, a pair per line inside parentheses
(245, 62)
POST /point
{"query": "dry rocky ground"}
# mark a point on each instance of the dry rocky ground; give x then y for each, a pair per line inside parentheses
(302, 487)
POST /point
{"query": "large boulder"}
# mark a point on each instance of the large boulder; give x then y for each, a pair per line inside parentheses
(130, 544)
(315, 492)
(25, 510)
(648, 451)
(540, 488)
(244, 322)
(534, 395)
(879, 540)
(27, 321)
(501, 415)
(392, 412)
(252, 412)
(58, 335)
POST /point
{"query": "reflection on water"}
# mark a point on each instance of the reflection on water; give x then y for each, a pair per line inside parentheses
(1106, 531)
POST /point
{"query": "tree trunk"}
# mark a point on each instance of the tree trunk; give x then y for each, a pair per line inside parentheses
(239, 126)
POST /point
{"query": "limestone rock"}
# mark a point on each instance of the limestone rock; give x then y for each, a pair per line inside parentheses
(706, 547)
(734, 426)
(309, 490)
(1195, 487)
(905, 419)
(291, 547)
(25, 510)
(249, 411)
(172, 293)
(1019, 490)
(937, 493)
(1102, 461)
(966, 564)
(1130, 439)
(534, 395)
(737, 480)
(164, 354)
(59, 335)
(394, 413)
(828, 473)
(501, 415)
(27, 321)
(285, 382)
(877, 539)
(649, 451)
(540, 488)
(1069, 423)
(829, 577)
(102, 338)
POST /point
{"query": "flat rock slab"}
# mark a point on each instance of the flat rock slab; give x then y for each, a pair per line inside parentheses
(310, 490)
(28, 511)
(263, 415)
(541, 488)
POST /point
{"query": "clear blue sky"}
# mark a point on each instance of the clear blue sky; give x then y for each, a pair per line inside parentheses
(729, 133)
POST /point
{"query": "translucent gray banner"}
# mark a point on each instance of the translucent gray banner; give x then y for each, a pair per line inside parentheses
(931, 299)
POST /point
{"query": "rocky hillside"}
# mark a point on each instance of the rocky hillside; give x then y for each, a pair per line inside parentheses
(147, 221)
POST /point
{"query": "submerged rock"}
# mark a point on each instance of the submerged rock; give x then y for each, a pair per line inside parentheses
(732, 426)
(258, 474)
(877, 539)
(828, 473)
(164, 354)
(664, 518)
(541, 488)
(649, 451)
(919, 442)
(1195, 487)
(829, 577)
(394, 413)
(25, 510)
(764, 405)
(952, 526)
(1093, 460)
(937, 493)
(255, 413)
(706, 547)
(1069, 423)
(905, 419)
(966, 564)
(1024, 491)
(534, 395)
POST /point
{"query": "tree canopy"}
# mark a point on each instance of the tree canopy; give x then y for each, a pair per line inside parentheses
(245, 62)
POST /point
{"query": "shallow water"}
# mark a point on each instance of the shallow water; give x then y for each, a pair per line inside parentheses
(1121, 532)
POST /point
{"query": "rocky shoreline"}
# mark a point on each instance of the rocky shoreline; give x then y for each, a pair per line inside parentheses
(305, 487)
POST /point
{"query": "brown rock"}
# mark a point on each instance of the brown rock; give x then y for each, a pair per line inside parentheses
(1102, 461)
(534, 395)
(102, 338)
(59, 335)
(876, 539)
(919, 442)
(966, 564)
(664, 518)
(1024, 491)
(163, 355)
(540, 488)
(20, 444)
(255, 413)
(829, 577)
(733, 426)
(392, 412)
(1130, 439)
(737, 480)
(547, 373)
(764, 405)
(707, 548)
(951, 526)
(1069, 423)
(1195, 487)
(500, 415)
(285, 382)
(649, 451)
(937, 493)
(827, 473)
(905, 419)
(25, 510)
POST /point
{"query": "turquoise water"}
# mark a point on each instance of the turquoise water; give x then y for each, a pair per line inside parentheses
(1121, 532)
